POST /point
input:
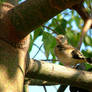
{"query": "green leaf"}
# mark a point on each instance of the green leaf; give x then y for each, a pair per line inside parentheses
(88, 40)
(54, 58)
(2, 1)
(59, 17)
(87, 53)
(49, 43)
(73, 37)
(77, 20)
(88, 66)
(53, 23)
(38, 32)
(60, 28)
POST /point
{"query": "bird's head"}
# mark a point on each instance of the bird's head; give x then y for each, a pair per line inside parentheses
(61, 39)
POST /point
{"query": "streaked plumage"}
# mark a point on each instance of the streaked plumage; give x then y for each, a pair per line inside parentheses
(66, 53)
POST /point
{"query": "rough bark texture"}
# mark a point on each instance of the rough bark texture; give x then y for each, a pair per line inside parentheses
(32, 13)
(13, 54)
(59, 74)
(12, 68)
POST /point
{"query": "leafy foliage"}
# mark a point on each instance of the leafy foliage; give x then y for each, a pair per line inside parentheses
(1, 1)
(88, 5)
(68, 23)
(88, 40)
(49, 43)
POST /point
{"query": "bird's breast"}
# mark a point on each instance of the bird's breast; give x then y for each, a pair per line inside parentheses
(65, 56)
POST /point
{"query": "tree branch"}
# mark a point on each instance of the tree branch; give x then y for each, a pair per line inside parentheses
(86, 27)
(59, 74)
(38, 82)
(32, 13)
(81, 10)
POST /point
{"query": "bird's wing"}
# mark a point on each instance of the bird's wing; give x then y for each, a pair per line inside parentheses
(76, 54)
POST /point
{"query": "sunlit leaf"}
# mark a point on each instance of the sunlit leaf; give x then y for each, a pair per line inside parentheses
(61, 27)
(77, 20)
(87, 53)
(37, 32)
(49, 43)
(88, 40)
(53, 23)
(88, 66)
(73, 37)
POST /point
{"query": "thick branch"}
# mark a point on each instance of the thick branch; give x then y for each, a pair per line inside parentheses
(59, 74)
(32, 13)
(81, 10)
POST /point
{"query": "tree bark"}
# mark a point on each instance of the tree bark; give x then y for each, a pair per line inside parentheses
(31, 14)
(59, 74)
(12, 67)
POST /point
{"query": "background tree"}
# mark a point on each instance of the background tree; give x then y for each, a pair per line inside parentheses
(16, 24)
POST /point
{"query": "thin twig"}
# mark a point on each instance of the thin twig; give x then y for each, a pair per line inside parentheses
(38, 51)
(38, 47)
(50, 29)
(49, 60)
(45, 90)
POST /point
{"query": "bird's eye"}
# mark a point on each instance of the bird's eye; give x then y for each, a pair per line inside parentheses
(58, 46)
(61, 38)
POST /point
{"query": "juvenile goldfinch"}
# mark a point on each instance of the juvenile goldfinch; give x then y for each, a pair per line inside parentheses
(67, 54)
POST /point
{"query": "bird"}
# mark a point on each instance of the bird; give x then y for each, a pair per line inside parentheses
(67, 54)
